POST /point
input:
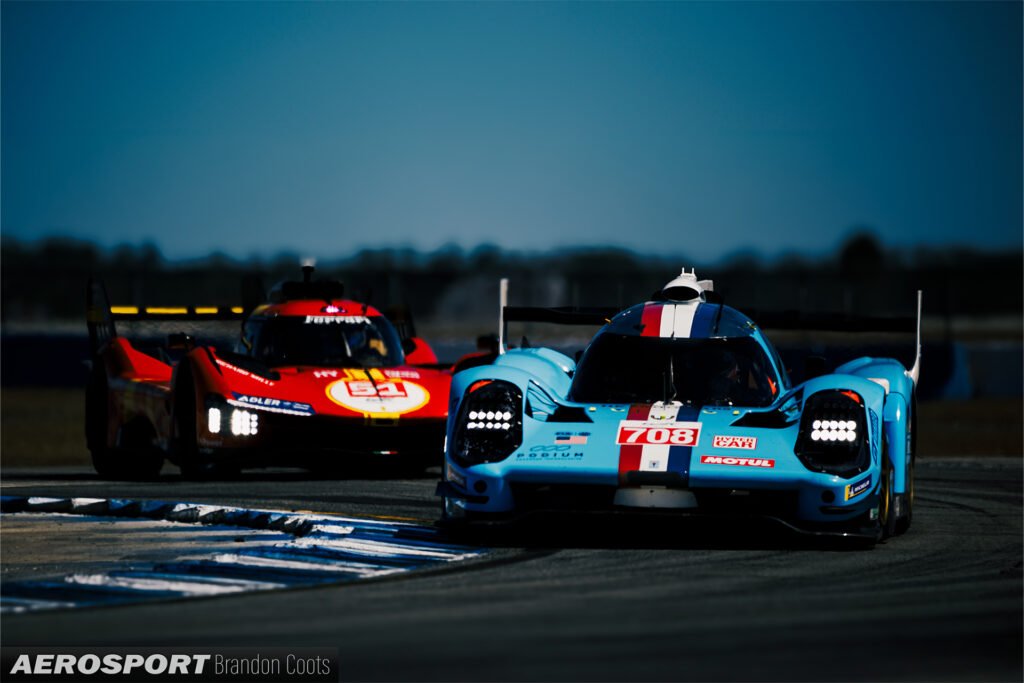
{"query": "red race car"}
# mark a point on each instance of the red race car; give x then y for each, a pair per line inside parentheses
(315, 380)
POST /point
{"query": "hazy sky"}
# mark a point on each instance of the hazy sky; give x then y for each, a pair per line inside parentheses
(699, 128)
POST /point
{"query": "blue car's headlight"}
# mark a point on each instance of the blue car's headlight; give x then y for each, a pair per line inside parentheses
(490, 423)
(833, 434)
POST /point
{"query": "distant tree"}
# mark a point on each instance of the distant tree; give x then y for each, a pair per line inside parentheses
(486, 258)
(861, 258)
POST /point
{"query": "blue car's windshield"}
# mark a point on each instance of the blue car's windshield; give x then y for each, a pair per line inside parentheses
(698, 372)
(332, 341)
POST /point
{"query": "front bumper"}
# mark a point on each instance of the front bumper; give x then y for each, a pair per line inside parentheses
(746, 517)
(299, 440)
(809, 499)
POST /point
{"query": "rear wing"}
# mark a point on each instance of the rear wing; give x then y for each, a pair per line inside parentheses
(786, 320)
(830, 322)
(101, 317)
(559, 315)
(177, 312)
(837, 322)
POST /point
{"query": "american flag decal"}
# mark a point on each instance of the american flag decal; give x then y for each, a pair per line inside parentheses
(572, 439)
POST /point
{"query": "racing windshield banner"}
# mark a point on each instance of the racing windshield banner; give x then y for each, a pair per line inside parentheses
(194, 665)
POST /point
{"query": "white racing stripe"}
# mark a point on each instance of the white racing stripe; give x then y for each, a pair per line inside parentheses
(668, 317)
(682, 324)
(677, 320)
(654, 458)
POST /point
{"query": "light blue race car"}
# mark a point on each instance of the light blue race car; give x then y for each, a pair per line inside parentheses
(681, 404)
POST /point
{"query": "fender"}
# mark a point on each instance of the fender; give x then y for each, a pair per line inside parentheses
(885, 372)
(523, 369)
(895, 420)
(551, 368)
(184, 380)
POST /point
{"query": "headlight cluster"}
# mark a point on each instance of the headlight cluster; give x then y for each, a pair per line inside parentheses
(489, 426)
(244, 423)
(239, 422)
(489, 420)
(832, 431)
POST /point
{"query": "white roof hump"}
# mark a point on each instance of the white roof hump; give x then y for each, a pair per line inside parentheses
(686, 287)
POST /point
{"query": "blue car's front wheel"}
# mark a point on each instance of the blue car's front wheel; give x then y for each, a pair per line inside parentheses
(907, 499)
(887, 500)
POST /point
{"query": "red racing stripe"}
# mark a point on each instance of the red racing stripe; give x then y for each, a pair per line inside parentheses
(629, 460)
(638, 411)
(651, 322)
(630, 454)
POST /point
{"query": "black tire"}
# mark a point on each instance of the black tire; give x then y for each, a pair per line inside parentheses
(192, 463)
(195, 467)
(458, 529)
(887, 500)
(905, 504)
(187, 457)
(105, 463)
(907, 499)
(136, 457)
(96, 416)
(185, 449)
(453, 518)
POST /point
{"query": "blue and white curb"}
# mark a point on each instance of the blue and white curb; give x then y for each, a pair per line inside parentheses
(308, 549)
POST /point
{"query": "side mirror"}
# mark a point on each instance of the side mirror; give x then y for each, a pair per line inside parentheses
(814, 366)
(179, 341)
(418, 352)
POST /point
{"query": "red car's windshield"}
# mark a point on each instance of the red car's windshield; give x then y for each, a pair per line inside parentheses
(329, 341)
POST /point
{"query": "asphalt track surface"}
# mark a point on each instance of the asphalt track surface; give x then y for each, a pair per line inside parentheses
(607, 599)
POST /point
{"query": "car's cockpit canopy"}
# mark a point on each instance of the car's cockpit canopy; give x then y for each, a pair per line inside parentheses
(627, 368)
(338, 341)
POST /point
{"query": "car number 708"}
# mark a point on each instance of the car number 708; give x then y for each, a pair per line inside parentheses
(672, 434)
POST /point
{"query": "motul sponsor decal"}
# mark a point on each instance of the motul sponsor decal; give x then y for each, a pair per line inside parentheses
(747, 443)
(738, 462)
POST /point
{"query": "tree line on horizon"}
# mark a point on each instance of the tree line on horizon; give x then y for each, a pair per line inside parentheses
(45, 280)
